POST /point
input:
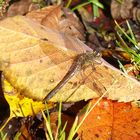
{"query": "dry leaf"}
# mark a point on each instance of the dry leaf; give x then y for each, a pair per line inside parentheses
(122, 10)
(111, 120)
(19, 105)
(21, 7)
(25, 133)
(35, 59)
(53, 17)
(115, 85)
(58, 18)
(45, 55)
(40, 14)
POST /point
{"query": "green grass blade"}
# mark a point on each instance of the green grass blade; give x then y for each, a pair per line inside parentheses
(129, 38)
(134, 56)
(3, 136)
(61, 135)
(97, 3)
(47, 136)
(72, 131)
(76, 126)
(127, 49)
(132, 35)
(95, 11)
(59, 122)
(69, 3)
(18, 134)
(88, 110)
(122, 67)
(79, 6)
(130, 30)
(48, 126)
(48, 115)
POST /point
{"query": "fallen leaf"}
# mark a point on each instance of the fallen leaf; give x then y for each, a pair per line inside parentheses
(14, 105)
(45, 55)
(34, 59)
(24, 133)
(53, 17)
(122, 10)
(40, 14)
(108, 81)
(23, 107)
(21, 7)
(111, 120)
(57, 18)
(115, 9)
(19, 105)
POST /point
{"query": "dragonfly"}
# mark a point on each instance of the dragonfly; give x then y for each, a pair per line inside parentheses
(77, 65)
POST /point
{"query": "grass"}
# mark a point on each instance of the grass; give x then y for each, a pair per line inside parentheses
(61, 134)
(4, 136)
(94, 3)
(41, 3)
(120, 1)
(133, 50)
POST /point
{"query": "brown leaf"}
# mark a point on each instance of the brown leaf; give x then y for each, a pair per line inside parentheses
(53, 17)
(21, 7)
(113, 83)
(71, 25)
(24, 133)
(122, 10)
(40, 14)
(58, 18)
(45, 55)
(111, 120)
(35, 59)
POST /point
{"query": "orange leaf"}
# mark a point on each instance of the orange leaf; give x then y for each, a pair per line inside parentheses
(111, 120)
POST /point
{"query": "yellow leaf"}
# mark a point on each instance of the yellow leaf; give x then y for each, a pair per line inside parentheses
(20, 106)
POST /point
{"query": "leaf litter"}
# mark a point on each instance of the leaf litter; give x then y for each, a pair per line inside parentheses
(23, 34)
(47, 65)
(111, 120)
